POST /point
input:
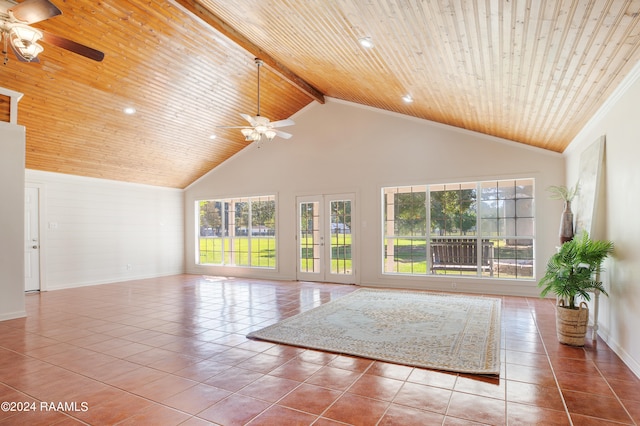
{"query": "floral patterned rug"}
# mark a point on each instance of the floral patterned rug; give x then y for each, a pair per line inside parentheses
(420, 329)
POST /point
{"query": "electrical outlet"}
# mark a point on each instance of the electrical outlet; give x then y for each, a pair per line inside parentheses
(128, 266)
(454, 285)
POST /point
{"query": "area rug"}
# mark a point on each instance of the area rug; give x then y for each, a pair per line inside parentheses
(420, 329)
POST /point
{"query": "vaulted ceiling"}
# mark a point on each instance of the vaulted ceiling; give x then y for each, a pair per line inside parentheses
(532, 71)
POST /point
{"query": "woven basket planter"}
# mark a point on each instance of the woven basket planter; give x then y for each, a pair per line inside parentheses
(571, 324)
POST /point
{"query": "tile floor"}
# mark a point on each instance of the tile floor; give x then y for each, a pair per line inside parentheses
(172, 351)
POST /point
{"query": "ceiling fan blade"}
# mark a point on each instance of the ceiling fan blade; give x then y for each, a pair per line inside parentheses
(282, 123)
(283, 135)
(250, 119)
(31, 11)
(72, 46)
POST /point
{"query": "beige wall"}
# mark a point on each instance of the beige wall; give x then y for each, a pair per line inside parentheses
(618, 215)
(97, 231)
(12, 150)
(340, 147)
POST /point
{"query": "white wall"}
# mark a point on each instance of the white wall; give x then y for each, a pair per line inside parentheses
(12, 150)
(618, 121)
(341, 147)
(96, 231)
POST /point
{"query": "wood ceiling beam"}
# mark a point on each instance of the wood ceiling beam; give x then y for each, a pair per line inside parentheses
(210, 18)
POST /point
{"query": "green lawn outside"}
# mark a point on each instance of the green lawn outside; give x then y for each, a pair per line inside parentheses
(263, 251)
(340, 254)
(410, 255)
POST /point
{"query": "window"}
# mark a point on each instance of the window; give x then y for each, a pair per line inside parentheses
(483, 229)
(237, 232)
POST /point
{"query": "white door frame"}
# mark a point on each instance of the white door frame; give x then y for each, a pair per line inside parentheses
(322, 236)
(41, 236)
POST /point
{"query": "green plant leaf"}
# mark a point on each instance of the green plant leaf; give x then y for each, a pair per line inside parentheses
(572, 270)
(561, 192)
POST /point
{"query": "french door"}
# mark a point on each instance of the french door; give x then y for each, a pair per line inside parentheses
(326, 238)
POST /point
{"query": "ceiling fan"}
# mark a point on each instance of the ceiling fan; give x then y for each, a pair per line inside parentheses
(16, 32)
(261, 127)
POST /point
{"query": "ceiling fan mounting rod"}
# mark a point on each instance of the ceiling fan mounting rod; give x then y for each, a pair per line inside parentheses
(261, 128)
(259, 63)
(5, 42)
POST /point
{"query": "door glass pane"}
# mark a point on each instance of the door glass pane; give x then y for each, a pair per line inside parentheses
(310, 237)
(341, 237)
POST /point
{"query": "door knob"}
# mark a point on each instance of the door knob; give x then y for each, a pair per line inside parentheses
(35, 247)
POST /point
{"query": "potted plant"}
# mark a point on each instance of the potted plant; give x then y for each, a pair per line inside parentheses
(572, 272)
(559, 192)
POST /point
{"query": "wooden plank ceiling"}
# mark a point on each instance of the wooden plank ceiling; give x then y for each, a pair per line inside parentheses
(530, 71)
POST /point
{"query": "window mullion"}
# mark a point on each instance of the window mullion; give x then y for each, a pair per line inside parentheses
(428, 229)
(249, 231)
(479, 239)
(224, 238)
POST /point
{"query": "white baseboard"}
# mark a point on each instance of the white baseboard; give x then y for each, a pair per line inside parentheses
(110, 281)
(632, 363)
(13, 315)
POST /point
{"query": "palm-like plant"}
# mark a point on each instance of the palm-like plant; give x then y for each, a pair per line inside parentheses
(560, 192)
(572, 271)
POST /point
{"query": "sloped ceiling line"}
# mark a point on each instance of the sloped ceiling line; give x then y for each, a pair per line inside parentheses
(198, 10)
(530, 72)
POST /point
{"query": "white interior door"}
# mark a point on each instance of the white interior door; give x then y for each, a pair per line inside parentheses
(32, 239)
(326, 238)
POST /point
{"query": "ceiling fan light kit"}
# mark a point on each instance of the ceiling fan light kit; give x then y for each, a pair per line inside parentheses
(261, 128)
(24, 41)
(16, 32)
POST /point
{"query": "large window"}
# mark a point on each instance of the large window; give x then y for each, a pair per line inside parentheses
(237, 232)
(482, 229)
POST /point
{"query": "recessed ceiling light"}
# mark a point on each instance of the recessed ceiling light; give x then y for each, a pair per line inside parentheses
(366, 42)
(212, 137)
(407, 99)
(129, 110)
